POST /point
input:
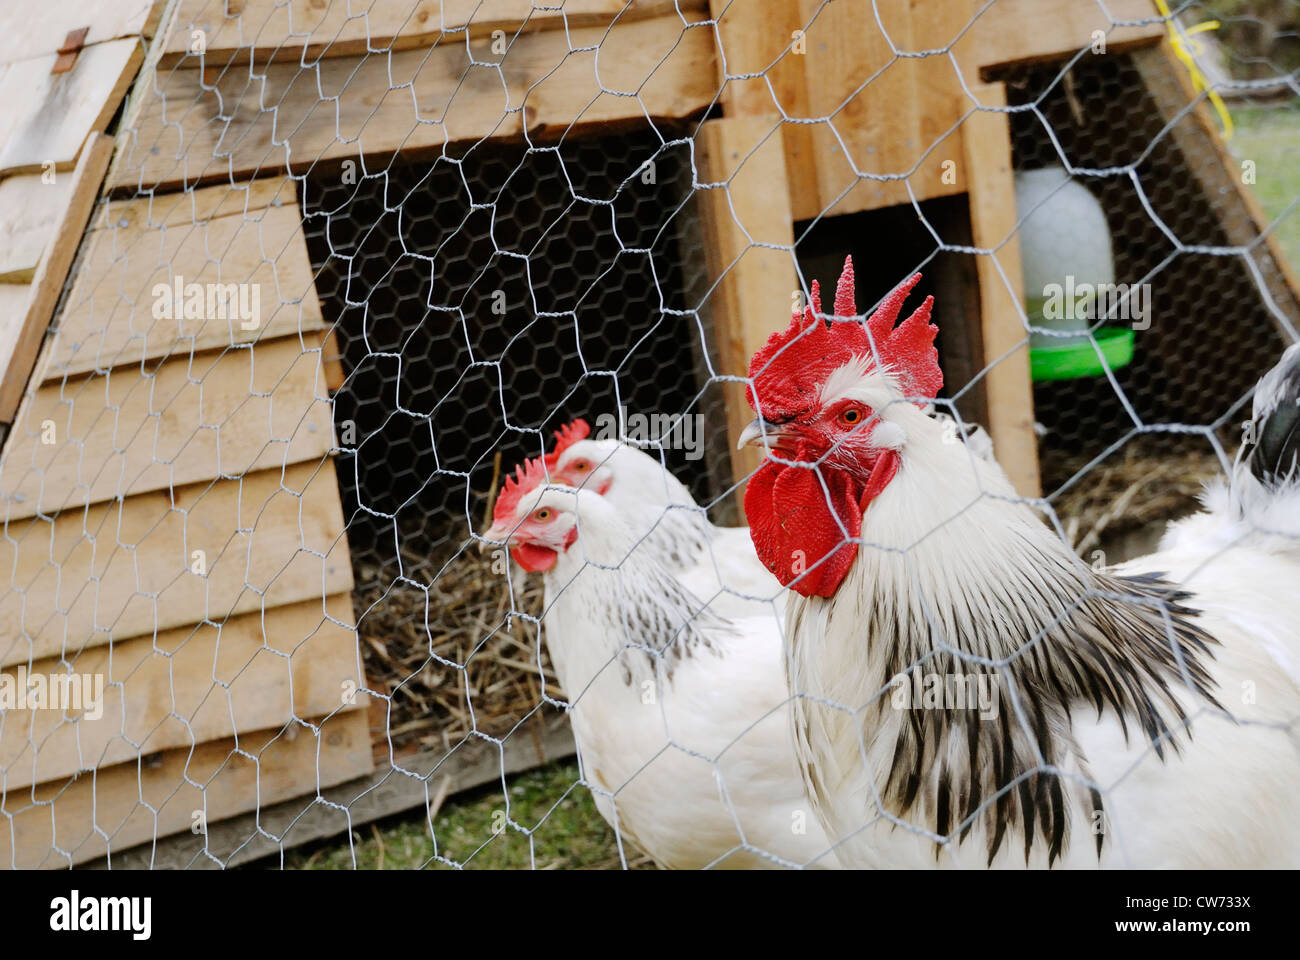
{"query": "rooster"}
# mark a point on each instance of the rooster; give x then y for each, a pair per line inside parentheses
(717, 564)
(1144, 716)
(681, 716)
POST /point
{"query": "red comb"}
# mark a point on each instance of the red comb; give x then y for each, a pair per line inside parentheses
(529, 475)
(565, 437)
(789, 369)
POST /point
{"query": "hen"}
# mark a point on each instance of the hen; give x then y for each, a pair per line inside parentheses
(681, 716)
(1143, 716)
(717, 564)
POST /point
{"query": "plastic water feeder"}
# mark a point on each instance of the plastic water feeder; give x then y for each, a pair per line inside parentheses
(1066, 261)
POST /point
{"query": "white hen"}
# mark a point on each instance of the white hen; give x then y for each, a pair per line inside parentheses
(681, 717)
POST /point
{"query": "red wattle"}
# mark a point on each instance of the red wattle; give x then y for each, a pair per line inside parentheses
(533, 558)
(804, 537)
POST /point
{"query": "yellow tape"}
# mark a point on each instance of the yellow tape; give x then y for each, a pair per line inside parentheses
(1185, 48)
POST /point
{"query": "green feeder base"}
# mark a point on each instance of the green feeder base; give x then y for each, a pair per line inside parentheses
(1072, 359)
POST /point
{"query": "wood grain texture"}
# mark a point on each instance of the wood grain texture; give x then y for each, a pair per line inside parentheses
(414, 782)
(986, 138)
(266, 31)
(48, 117)
(123, 432)
(124, 569)
(30, 210)
(71, 821)
(214, 236)
(24, 36)
(753, 287)
(23, 335)
(343, 107)
(186, 687)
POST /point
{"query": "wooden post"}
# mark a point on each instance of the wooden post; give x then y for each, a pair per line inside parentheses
(751, 287)
(986, 146)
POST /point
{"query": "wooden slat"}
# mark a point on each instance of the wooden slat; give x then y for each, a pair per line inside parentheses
(306, 30)
(59, 824)
(986, 139)
(388, 791)
(26, 33)
(764, 77)
(755, 285)
(108, 318)
(185, 134)
(30, 207)
(1017, 32)
(48, 117)
(187, 686)
(124, 569)
(216, 414)
(1218, 175)
(22, 335)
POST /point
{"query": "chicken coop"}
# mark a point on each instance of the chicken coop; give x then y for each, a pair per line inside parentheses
(291, 285)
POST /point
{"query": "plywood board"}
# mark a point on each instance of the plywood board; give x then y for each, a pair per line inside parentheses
(185, 687)
(211, 239)
(127, 568)
(22, 334)
(986, 138)
(220, 413)
(47, 117)
(30, 209)
(415, 101)
(24, 36)
(752, 286)
(307, 30)
(59, 824)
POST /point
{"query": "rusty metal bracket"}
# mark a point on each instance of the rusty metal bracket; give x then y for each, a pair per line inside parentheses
(72, 44)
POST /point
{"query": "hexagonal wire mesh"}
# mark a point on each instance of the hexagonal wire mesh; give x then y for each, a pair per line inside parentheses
(481, 299)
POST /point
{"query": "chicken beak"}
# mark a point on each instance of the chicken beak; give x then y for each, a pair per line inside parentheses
(493, 537)
(762, 433)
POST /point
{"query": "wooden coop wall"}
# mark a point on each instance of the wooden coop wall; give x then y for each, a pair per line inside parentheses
(173, 438)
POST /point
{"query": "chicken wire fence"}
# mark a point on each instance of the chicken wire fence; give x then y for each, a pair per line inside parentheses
(476, 300)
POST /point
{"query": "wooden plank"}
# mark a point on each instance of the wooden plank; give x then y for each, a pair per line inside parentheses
(23, 337)
(388, 791)
(64, 823)
(1017, 32)
(48, 117)
(300, 31)
(548, 83)
(15, 302)
(125, 569)
(123, 432)
(30, 207)
(986, 138)
(24, 36)
(144, 245)
(1218, 175)
(763, 72)
(754, 286)
(189, 685)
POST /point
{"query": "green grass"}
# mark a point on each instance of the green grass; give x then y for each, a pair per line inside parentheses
(1270, 136)
(567, 832)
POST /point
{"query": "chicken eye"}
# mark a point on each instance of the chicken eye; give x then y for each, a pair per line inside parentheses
(582, 466)
(851, 415)
(543, 513)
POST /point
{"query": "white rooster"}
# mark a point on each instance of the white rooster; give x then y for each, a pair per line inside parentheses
(681, 716)
(1144, 716)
